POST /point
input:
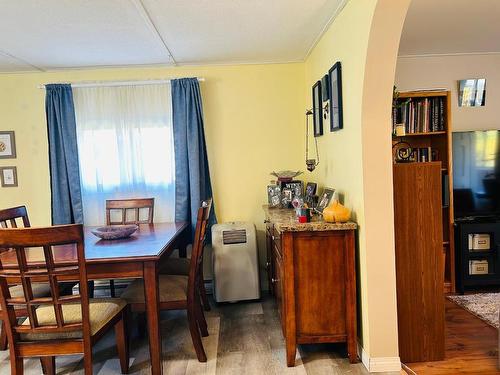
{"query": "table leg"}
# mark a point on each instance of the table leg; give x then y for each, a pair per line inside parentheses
(153, 315)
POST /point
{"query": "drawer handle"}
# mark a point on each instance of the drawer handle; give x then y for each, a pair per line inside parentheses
(274, 281)
(268, 264)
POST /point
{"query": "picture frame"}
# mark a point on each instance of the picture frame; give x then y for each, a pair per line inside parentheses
(7, 145)
(472, 92)
(8, 176)
(311, 189)
(317, 109)
(325, 97)
(335, 90)
(297, 187)
(274, 196)
(325, 199)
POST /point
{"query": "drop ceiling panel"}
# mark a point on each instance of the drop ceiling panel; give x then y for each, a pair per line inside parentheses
(76, 33)
(451, 26)
(207, 31)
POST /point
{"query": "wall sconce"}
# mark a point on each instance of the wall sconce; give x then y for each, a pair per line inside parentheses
(310, 163)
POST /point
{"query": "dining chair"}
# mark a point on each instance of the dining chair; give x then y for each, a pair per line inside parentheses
(180, 267)
(59, 324)
(124, 206)
(178, 292)
(11, 217)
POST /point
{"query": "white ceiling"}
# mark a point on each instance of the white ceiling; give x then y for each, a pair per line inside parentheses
(451, 27)
(61, 34)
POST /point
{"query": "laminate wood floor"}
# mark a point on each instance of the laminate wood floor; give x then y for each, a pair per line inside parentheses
(245, 338)
(471, 346)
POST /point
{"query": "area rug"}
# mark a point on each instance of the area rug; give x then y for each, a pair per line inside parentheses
(485, 306)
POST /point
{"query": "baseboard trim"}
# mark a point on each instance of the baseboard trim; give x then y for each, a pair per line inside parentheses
(379, 364)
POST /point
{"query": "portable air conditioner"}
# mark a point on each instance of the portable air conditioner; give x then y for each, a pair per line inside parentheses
(235, 262)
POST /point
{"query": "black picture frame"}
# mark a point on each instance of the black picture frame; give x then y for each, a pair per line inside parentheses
(317, 109)
(325, 199)
(336, 115)
(311, 189)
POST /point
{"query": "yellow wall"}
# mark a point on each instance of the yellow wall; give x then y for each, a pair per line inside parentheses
(356, 161)
(253, 126)
(341, 152)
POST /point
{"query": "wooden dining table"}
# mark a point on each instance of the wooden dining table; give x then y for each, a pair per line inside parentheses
(138, 256)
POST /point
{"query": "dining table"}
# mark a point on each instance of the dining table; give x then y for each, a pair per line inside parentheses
(138, 256)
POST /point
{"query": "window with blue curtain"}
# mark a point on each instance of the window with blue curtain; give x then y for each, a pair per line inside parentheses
(125, 147)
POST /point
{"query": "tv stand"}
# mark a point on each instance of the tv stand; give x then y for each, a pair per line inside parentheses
(477, 246)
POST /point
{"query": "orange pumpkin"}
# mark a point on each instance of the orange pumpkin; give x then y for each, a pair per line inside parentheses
(336, 213)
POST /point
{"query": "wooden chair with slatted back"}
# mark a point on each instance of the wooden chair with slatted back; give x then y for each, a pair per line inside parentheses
(12, 217)
(124, 206)
(55, 325)
(181, 292)
(9, 216)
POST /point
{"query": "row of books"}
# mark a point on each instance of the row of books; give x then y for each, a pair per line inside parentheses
(420, 115)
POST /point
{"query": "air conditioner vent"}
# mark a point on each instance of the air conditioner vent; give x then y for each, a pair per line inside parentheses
(234, 236)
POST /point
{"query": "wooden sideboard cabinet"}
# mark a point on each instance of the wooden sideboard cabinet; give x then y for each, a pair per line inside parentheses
(312, 275)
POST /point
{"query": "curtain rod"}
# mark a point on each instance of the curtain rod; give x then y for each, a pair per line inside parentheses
(119, 83)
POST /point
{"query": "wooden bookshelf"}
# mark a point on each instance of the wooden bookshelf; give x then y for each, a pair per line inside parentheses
(440, 143)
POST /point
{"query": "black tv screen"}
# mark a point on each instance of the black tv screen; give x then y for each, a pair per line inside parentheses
(476, 173)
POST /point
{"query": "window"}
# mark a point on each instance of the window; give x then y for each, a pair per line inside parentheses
(125, 147)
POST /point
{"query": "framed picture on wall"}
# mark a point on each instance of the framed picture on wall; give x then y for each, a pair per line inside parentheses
(8, 176)
(335, 78)
(7, 145)
(317, 109)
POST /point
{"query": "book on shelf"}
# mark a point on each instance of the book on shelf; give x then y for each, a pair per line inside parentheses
(420, 115)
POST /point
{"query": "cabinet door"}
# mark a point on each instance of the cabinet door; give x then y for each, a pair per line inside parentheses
(269, 259)
(278, 289)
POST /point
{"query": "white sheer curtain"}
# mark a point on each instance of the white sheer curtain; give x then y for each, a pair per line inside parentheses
(125, 147)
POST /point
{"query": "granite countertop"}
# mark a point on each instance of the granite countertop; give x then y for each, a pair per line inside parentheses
(284, 220)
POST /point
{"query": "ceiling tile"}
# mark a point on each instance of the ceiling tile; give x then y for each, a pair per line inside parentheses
(77, 33)
(206, 31)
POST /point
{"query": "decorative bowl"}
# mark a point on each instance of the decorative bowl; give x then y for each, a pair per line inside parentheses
(115, 232)
(286, 176)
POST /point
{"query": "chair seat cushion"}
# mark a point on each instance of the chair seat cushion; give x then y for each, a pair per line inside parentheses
(101, 311)
(175, 266)
(171, 288)
(39, 290)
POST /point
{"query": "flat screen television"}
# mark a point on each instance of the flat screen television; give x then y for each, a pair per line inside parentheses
(476, 174)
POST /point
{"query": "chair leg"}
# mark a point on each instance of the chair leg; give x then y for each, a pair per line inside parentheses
(91, 288)
(195, 334)
(3, 337)
(48, 365)
(16, 363)
(203, 294)
(122, 342)
(112, 288)
(87, 359)
(200, 320)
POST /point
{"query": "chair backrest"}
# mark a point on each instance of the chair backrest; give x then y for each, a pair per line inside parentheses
(127, 205)
(25, 267)
(197, 250)
(9, 216)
